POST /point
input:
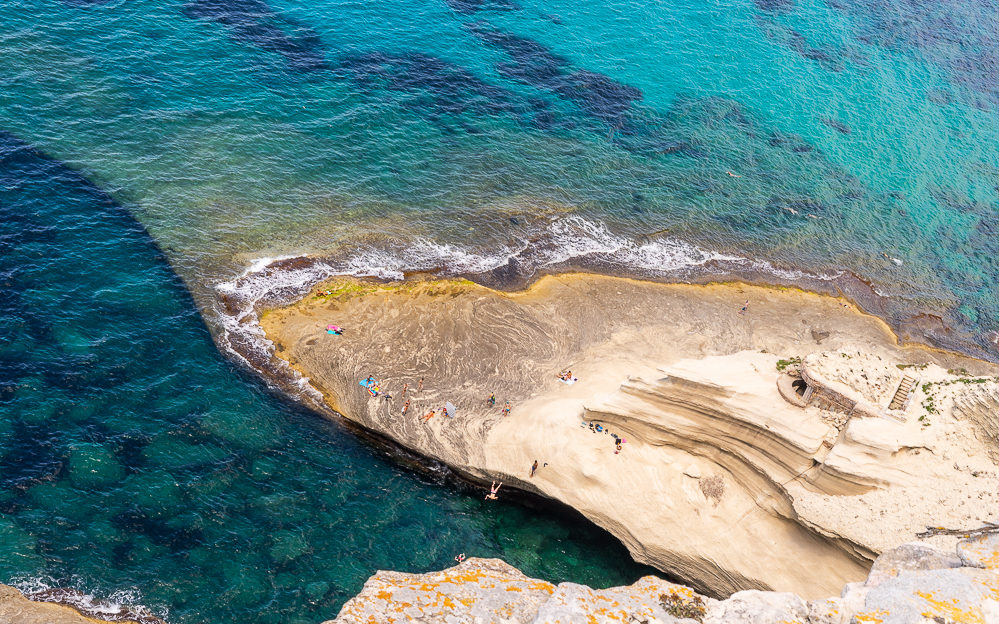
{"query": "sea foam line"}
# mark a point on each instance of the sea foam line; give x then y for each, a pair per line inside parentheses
(122, 604)
(565, 240)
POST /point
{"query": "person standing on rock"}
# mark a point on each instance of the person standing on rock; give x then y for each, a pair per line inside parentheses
(506, 409)
(492, 399)
(534, 468)
(419, 385)
(405, 387)
(405, 407)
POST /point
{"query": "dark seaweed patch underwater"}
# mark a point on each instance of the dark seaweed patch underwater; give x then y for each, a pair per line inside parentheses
(135, 461)
(824, 138)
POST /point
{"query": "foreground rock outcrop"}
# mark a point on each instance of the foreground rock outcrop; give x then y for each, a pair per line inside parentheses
(908, 584)
(677, 438)
(47, 607)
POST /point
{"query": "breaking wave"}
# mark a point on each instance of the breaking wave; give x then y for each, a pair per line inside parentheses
(122, 605)
(564, 243)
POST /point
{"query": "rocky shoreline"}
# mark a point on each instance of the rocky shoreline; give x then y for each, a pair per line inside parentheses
(911, 583)
(686, 383)
(65, 606)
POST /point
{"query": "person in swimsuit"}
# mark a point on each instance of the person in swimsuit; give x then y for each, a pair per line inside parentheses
(745, 307)
(405, 387)
(405, 407)
(491, 400)
(419, 385)
(429, 415)
(506, 409)
(494, 490)
(534, 468)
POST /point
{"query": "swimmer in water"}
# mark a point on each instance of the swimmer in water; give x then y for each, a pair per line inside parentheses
(733, 175)
(494, 490)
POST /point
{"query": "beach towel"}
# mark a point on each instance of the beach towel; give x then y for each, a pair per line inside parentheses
(451, 409)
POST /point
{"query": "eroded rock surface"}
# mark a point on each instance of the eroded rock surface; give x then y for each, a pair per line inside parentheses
(718, 480)
(913, 583)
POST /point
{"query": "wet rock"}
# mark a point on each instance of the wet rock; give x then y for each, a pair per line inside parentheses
(65, 606)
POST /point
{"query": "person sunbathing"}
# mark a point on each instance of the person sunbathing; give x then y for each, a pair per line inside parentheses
(429, 415)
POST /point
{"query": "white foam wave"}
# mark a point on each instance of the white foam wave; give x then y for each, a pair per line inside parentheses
(122, 602)
(271, 281)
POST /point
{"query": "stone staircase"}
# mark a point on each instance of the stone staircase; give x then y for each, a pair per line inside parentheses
(901, 398)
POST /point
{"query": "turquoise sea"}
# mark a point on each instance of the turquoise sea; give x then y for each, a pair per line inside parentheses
(164, 166)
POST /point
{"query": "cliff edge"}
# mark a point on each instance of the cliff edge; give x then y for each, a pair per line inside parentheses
(911, 583)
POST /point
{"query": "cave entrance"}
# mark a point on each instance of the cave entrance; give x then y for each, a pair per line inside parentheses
(800, 387)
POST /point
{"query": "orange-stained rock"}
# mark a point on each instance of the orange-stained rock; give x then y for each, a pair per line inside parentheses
(913, 583)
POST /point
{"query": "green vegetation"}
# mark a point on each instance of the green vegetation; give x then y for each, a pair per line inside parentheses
(680, 607)
(782, 365)
(916, 366)
(335, 291)
(928, 403)
(349, 287)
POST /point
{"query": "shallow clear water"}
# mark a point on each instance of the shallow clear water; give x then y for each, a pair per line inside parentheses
(773, 139)
(235, 129)
(135, 460)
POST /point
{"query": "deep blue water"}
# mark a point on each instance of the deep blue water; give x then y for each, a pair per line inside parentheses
(839, 143)
(138, 465)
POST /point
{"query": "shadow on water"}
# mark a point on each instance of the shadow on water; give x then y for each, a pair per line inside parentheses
(135, 461)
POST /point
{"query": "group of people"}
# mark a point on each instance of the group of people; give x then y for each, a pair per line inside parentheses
(598, 428)
(492, 403)
(374, 390)
(372, 387)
